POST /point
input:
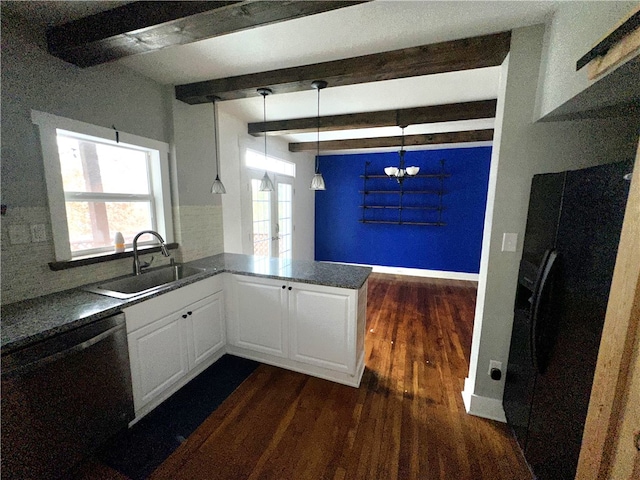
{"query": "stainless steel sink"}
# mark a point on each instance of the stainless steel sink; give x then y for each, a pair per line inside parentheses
(153, 279)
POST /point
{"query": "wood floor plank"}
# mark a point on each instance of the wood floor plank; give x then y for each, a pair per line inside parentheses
(406, 421)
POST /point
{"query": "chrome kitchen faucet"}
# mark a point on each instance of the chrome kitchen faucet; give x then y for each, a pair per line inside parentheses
(137, 268)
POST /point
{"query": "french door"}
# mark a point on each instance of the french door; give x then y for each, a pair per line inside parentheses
(272, 218)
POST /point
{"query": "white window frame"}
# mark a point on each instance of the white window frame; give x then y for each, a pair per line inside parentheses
(159, 172)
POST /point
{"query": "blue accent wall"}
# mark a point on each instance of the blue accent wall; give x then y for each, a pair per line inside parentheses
(456, 247)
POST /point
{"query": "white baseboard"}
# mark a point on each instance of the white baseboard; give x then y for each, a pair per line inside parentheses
(419, 272)
(484, 407)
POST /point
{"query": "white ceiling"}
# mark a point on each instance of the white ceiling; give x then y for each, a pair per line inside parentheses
(372, 27)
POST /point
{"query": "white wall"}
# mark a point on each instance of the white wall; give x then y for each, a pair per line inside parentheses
(105, 95)
(576, 27)
(234, 136)
(197, 212)
(523, 148)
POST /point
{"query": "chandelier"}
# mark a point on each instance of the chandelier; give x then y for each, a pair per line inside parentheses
(400, 172)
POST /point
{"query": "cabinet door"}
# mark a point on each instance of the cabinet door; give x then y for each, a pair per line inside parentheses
(322, 325)
(259, 315)
(206, 328)
(159, 358)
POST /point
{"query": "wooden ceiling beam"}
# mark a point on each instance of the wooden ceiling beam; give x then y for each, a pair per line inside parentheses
(386, 118)
(145, 26)
(409, 140)
(455, 55)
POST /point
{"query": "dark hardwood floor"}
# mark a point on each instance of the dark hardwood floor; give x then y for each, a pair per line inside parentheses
(406, 421)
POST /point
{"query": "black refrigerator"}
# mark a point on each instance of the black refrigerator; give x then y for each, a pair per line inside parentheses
(571, 240)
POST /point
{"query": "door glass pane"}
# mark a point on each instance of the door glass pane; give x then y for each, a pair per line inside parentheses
(285, 220)
(261, 206)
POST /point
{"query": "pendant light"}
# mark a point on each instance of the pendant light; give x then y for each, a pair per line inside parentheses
(317, 182)
(400, 172)
(266, 185)
(217, 187)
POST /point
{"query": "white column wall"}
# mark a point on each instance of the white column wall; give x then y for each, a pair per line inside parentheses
(523, 148)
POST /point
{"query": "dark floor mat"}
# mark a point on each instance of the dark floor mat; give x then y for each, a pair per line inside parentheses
(138, 451)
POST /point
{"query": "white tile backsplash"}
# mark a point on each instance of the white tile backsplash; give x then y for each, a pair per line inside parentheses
(25, 269)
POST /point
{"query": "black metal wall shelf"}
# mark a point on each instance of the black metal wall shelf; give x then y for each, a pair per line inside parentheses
(401, 192)
(433, 224)
(391, 207)
(376, 197)
(431, 175)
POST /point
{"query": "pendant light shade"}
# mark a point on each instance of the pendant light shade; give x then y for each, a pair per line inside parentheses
(217, 187)
(266, 185)
(317, 182)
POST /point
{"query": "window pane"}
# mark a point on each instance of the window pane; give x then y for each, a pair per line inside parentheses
(93, 225)
(285, 221)
(256, 160)
(261, 204)
(95, 167)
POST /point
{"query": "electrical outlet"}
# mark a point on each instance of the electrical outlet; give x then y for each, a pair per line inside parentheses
(38, 233)
(494, 364)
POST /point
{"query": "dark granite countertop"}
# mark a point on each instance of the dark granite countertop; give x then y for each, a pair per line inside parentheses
(28, 321)
(318, 273)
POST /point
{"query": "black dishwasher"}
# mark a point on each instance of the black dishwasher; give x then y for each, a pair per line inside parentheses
(62, 397)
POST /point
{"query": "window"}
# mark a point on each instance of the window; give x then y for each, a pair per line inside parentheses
(98, 186)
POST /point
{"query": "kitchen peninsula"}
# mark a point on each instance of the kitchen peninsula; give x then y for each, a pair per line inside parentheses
(301, 315)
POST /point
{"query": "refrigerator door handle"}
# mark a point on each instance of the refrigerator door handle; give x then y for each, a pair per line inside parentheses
(543, 283)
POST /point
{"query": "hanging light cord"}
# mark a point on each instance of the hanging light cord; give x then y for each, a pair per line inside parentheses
(318, 135)
(402, 150)
(215, 123)
(264, 122)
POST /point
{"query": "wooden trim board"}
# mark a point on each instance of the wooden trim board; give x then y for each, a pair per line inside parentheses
(606, 446)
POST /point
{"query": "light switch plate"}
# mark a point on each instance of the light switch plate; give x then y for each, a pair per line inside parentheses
(38, 233)
(19, 234)
(509, 242)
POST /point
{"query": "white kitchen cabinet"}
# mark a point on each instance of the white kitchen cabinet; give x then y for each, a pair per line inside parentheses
(172, 338)
(321, 327)
(259, 319)
(159, 358)
(206, 328)
(308, 328)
